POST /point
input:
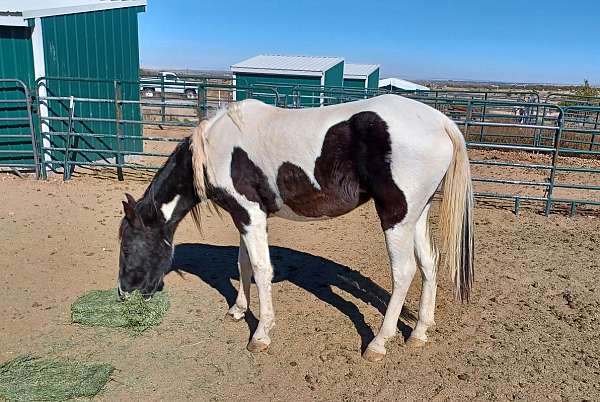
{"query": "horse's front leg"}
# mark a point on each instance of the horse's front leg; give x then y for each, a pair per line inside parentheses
(239, 308)
(254, 236)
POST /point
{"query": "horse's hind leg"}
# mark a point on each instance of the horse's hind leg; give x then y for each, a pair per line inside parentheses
(238, 310)
(400, 245)
(427, 258)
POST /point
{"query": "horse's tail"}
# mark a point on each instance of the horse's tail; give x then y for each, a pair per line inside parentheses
(456, 216)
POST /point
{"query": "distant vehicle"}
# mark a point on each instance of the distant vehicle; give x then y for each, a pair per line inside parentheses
(171, 83)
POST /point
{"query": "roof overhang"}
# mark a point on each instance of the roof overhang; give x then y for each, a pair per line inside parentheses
(274, 71)
(13, 21)
(367, 69)
(355, 77)
(35, 9)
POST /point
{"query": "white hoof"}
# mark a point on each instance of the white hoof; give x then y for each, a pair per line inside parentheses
(236, 313)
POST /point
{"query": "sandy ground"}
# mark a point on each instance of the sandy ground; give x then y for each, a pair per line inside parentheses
(530, 333)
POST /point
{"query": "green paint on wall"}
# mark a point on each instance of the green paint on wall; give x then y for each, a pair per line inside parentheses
(284, 85)
(101, 46)
(354, 83)
(16, 62)
(373, 80)
(334, 77)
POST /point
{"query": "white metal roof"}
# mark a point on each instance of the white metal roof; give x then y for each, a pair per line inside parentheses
(401, 84)
(359, 71)
(286, 65)
(15, 12)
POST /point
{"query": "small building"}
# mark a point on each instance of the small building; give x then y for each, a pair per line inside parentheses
(64, 48)
(361, 76)
(398, 84)
(273, 78)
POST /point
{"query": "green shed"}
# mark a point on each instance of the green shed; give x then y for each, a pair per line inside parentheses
(361, 76)
(273, 77)
(62, 49)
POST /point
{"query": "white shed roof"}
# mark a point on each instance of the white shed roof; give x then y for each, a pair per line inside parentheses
(359, 71)
(15, 12)
(286, 65)
(401, 84)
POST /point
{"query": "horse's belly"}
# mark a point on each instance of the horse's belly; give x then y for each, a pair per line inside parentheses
(286, 212)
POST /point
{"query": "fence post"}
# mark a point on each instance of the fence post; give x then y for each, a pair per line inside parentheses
(555, 156)
(485, 98)
(163, 109)
(66, 165)
(594, 132)
(118, 117)
(34, 146)
(468, 118)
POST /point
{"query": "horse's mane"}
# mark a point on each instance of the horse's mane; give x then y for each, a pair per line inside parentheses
(202, 169)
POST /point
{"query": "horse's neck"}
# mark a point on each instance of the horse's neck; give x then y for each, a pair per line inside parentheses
(171, 194)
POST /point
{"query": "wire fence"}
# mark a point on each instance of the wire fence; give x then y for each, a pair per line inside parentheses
(524, 149)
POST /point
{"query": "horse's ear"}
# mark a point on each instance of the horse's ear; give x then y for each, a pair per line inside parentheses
(129, 209)
(130, 200)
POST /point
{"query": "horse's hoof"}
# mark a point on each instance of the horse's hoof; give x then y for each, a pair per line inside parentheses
(413, 342)
(234, 316)
(235, 313)
(372, 356)
(255, 346)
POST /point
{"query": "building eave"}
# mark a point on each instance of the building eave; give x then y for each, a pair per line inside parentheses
(273, 71)
(84, 8)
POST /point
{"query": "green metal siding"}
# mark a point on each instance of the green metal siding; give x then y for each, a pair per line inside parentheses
(16, 61)
(100, 45)
(284, 85)
(354, 83)
(334, 77)
(373, 81)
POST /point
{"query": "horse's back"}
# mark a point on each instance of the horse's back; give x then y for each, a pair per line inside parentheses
(324, 162)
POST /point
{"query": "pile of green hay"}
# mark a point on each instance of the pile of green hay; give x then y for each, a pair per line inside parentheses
(29, 378)
(103, 308)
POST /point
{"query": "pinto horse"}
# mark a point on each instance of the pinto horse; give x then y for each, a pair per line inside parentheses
(256, 161)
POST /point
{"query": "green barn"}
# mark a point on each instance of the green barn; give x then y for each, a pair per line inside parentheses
(361, 76)
(273, 78)
(61, 49)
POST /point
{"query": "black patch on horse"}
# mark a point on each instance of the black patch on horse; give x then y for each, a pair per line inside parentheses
(250, 181)
(222, 198)
(354, 165)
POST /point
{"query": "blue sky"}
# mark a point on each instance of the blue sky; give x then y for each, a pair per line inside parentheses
(502, 40)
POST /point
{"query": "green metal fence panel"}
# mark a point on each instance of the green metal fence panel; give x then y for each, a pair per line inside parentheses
(16, 63)
(98, 48)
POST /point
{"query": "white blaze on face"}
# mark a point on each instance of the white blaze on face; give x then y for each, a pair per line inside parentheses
(168, 208)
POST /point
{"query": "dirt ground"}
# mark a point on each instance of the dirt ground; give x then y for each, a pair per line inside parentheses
(530, 332)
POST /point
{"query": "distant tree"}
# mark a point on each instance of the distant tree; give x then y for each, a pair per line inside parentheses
(587, 90)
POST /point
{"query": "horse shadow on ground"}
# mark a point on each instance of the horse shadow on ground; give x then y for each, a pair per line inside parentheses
(217, 265)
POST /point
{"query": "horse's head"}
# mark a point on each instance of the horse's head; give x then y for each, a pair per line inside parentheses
(146, 250)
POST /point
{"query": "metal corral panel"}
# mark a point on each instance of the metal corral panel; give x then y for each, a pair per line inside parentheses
(16, 61)
(99, 45)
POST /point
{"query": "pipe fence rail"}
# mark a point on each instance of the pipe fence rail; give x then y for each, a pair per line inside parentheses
(524, 149)
(18, 149)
